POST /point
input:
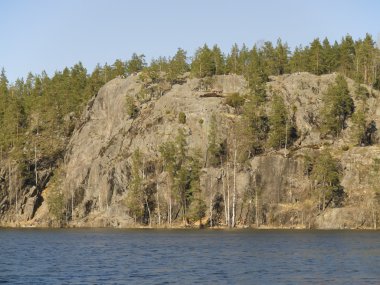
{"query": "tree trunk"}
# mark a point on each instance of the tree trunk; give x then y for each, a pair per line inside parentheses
(170, 205)
(72, 203)
(35, 164)
(374, 218)
(224, 199)
(224, 193)
(211, 206)
(147, 206)
(158, 205)
(9, 181)
(257, 207)
(234, 190)
(228, 197)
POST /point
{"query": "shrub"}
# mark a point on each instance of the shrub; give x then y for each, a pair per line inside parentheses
(182, 118)
(235, 100)
(345, 148)
(131, 107)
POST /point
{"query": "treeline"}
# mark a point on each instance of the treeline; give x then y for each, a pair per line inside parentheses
(40, 112)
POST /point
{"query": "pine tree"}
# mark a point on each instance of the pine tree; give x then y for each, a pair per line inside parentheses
(203, 63)
(213, 148)
(219, 60)
(177, 65)
(282, 52)
(315, 56)
(243, 60)
(252, 129)
(279, 130)
(256, 76)
(366, 55)
(136, 63)
(119, 68)
(135, 193)
(326, 174)
(347, 56)
(338, 106)
(328, 58)
(3, 83)
(232, 61)
(298, 61)
(168, 154)
(270, 60)
(359, 126)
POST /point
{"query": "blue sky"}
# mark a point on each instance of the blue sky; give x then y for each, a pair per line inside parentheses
(48, 35)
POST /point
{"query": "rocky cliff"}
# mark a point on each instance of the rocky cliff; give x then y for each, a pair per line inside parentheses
(273, 188)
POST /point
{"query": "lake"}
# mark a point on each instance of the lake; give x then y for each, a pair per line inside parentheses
(108, 256)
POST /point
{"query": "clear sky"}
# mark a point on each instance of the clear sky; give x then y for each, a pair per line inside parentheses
(48, 35)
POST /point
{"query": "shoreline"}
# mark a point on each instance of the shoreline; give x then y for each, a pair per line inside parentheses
(189, 228)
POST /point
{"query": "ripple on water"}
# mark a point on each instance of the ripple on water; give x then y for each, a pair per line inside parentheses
(188, 257)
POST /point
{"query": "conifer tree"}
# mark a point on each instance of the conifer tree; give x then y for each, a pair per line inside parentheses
(177, 65)
(219, 60)
(232, 61)
(136, 63)
(203, 63)
(119, 68)
(315, 55)
(279, 123)
(282, 52)
(338, 106)
(326, 175)
(347, 56)
(3, 83)
(135, 193)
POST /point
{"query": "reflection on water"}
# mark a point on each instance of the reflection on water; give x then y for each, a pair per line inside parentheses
(177, 256)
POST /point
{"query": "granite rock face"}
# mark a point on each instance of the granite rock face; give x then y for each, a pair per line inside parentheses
(96, 169)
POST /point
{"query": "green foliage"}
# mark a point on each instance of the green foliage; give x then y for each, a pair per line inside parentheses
(282, 57)
(347, 55)
(326, 174)
(213, 148)
(338, 106)
(181, 146)
(197, 209)
(183, 170)
(136, 63)
(280, 125)
(203, 63)
(316, 57)
(3, 83)
(235, 100)
(359, 127)
(119, 68)
(182, 118)
(252, 129)
(56, 203)
(168, 154)
(135, 198)
(177, 66)
(131, 107)
(41, 111)
(218, 60)
(361, 93)
(52, 105)
(232, 61)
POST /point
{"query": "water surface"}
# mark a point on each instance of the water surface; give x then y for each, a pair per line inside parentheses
(104, 256)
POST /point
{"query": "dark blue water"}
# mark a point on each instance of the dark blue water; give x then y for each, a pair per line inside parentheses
(188, 257)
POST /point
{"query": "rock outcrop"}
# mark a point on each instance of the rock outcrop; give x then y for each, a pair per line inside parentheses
(96, 171)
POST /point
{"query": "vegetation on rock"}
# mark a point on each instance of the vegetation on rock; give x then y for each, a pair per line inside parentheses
(258, 124)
